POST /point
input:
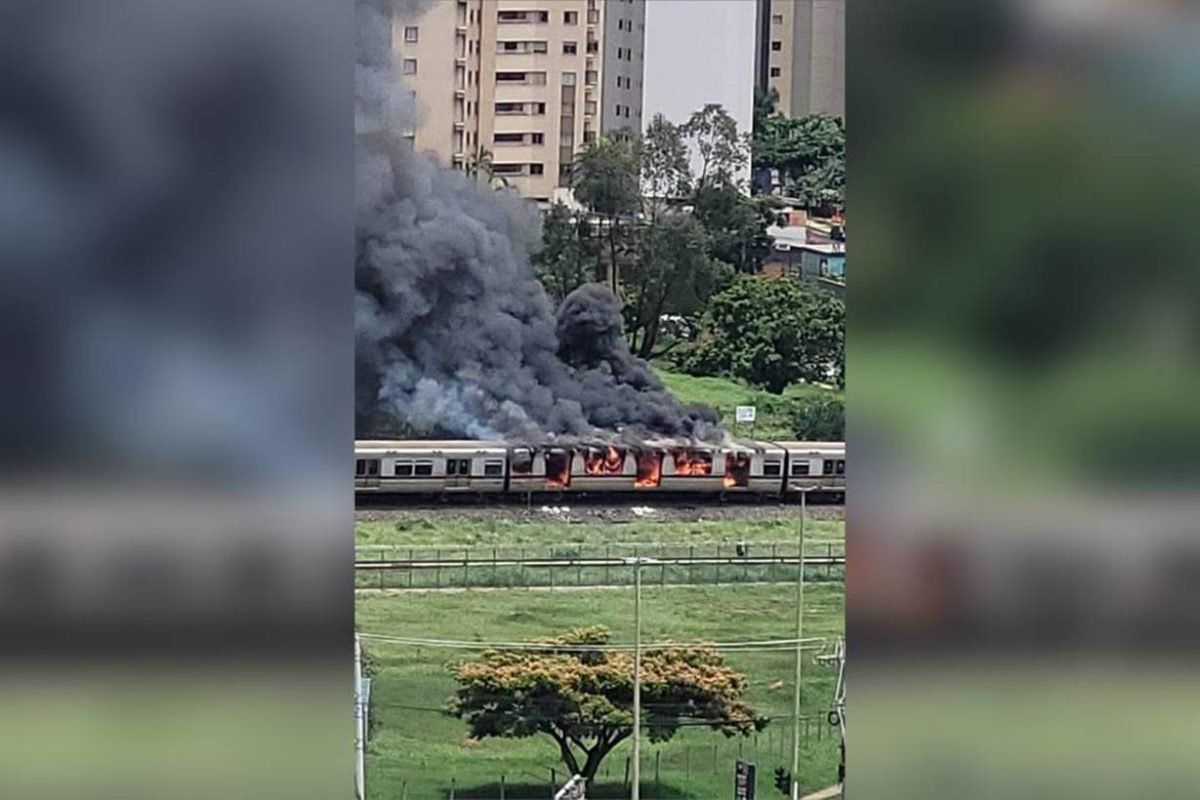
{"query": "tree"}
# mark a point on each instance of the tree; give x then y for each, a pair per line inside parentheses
(563, 261)
(810, 154)
(666, 173)
(737, 224)
(581, 695)
(772, 332)
(820, 420)
(673, 274)
(604, 176)
(714, 136)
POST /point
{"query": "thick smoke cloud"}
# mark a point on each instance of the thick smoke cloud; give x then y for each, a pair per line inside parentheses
(454, 334)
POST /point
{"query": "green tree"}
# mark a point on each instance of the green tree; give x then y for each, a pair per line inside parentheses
(810, 154)
(722, 150)
(673, 274)
(583, 698)
(772, 333)
(563, 262)
(820, 420)
(666, 173)
(604, 177)
(737, 224)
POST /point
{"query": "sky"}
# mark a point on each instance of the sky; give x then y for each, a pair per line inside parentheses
(698, 52)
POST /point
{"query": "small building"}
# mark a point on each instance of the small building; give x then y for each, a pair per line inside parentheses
(795, 255)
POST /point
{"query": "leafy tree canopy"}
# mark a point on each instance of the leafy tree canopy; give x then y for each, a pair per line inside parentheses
(583, 698)
(809, 153)
(772, 333)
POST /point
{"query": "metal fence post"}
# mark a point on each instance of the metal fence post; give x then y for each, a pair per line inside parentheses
(467, 567)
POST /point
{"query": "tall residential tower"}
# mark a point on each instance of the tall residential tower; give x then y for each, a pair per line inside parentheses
(800, 49)
(522, 83)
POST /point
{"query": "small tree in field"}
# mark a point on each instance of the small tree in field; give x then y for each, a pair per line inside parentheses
(583, 699)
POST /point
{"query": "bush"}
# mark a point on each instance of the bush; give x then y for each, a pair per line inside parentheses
(771, 333)
(822, 420)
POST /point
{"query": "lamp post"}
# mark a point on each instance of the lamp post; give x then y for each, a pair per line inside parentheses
(637, 671)
(799, 651)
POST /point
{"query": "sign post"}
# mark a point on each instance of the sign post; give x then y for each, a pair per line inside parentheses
(743, 781)
(743, 414)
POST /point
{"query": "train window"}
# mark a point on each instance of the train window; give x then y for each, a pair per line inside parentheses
(360, 467)
(464, 467)
(827, 467)
(402, 469)
(799, 469)
(373, 467)
(841, 466)
(772, 468)
(522, 461)
(451, 466)
(493, 469)
(423, 468)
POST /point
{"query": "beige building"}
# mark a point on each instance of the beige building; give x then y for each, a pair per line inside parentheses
(524, 83)
(800, 51)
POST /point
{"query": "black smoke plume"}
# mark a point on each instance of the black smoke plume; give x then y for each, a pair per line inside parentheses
(454, 334)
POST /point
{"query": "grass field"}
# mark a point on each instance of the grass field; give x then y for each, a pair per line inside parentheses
(416, 752)
(419, 528)
(724, 394)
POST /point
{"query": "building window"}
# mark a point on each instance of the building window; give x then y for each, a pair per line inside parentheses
(618, 109)
(410, 33)
(508, 138)
(775, 72)
(568, 79)
(508, 169)
(589, 107)
(570, 18)
(776, 46)
(536, 169)
(410, 66)
(539, 109)
(537, 138)
(538, 47)
(569, 48)
(566, 139)
(777, 19)
(589, 77)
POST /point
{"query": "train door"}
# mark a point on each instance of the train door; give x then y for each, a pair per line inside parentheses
(458, 473)
(366, 472)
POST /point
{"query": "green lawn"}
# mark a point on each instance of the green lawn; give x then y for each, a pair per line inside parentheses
(416, 752)
(424, 528)
(724, 394)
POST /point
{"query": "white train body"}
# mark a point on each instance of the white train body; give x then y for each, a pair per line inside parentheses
(744, 467)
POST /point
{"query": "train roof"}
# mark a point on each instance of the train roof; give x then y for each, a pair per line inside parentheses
(426, 444)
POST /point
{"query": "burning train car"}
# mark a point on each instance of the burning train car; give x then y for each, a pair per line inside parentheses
(740, 467)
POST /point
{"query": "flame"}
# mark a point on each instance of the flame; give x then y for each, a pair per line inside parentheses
(609, 461)
(649, 469)
(692, 462)
(558, 470)
(737, 470)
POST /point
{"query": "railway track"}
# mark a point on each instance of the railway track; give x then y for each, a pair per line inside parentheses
(388, 502)
(368, 565)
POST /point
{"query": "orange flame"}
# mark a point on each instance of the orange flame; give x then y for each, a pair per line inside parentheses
(609, 461)
(737, 470)
(692, 462)
(649, 469)
(558, 469)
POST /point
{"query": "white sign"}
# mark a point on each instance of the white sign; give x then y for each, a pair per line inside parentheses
(745, 413)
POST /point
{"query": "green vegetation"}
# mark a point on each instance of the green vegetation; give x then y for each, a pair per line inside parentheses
(777, 413)
(422, 529)
(583, 699)
(809, 153)
(419, 751)
(771, 333)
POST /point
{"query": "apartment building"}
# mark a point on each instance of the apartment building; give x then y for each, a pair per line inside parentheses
(800, 49)
(522, 84)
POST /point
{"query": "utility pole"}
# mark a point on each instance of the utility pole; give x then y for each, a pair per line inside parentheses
(359, 725)
(637, 679)
(799, 652)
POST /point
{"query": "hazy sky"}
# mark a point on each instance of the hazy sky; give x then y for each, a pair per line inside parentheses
(697, 52)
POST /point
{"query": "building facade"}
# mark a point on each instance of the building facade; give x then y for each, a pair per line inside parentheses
(800, 51)
(516, 87)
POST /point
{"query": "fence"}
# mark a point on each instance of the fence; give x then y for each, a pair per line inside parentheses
(579, 565)
(666, 768)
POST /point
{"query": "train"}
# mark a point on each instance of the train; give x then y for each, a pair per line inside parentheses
(394, 467)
